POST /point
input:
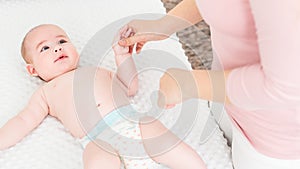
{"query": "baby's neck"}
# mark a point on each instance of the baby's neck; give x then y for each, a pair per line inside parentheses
(62, 74)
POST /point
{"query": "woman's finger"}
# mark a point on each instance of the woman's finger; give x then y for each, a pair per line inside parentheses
(139, 47)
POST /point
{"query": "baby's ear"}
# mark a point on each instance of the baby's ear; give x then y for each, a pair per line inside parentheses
(31, 70)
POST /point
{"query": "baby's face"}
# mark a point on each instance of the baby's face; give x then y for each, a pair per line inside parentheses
(51, 52)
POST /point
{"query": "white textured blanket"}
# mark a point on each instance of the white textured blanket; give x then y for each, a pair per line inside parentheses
(50, 146)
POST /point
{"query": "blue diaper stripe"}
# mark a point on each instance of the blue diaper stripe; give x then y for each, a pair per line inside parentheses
(110, 120)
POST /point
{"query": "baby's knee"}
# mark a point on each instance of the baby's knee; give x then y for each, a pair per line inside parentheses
(95, 156)
(157, 139)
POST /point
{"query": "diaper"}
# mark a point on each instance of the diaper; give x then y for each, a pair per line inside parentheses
(120, 129)
(119, 117)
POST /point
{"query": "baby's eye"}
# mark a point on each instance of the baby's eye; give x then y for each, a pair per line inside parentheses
(44, 48)
(62, 41)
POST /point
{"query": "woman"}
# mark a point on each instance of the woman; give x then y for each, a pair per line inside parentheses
(256, 57)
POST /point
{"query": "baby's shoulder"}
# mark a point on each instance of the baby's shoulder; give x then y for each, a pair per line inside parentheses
(92, 72)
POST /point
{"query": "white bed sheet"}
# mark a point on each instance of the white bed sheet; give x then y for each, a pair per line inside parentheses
(50, 145)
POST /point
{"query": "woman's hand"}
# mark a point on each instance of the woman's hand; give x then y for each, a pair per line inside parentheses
(144, 31)
(185, 14)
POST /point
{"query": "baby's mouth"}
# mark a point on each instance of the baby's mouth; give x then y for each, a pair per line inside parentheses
(60, 58)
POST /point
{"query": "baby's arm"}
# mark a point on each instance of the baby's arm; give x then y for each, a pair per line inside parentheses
(126, 71)
(23, 123)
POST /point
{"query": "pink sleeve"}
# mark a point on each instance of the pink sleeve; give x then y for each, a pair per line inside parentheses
(274, 82)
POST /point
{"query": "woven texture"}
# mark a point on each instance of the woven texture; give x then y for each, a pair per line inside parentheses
(50, 146)
(195, 41)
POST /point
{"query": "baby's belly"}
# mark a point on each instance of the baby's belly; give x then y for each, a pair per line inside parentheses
(85, 116)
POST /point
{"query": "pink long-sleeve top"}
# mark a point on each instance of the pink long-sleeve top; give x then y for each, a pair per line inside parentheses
(259, 40)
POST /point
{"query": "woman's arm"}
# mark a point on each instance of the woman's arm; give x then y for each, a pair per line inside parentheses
(186, 11)
(178, 85)
(23, 123)
(185, 14)
(274, 82)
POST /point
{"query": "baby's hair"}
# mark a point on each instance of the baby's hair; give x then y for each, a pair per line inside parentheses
(25, 56)
(24, 53)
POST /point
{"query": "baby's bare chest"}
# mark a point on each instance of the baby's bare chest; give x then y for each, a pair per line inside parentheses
(69, 95)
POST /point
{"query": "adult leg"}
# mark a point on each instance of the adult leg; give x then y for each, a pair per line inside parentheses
(99, 154)
(165, 148)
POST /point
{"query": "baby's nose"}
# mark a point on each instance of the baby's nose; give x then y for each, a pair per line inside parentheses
(57, 49)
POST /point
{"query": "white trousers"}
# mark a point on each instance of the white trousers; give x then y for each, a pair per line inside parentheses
(244, 156)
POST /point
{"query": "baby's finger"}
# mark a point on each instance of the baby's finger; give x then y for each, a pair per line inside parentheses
(123, 29)
(127, 33)
(131, 47)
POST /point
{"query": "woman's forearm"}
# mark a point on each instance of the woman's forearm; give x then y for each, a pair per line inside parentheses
(211, 85)
(183, 15)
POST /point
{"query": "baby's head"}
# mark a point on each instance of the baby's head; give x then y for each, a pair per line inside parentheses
(48, 52)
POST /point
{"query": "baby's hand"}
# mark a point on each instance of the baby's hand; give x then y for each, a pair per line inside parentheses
(125, 32)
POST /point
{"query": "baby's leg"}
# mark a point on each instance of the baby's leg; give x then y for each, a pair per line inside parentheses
(96, 156)
(165, 148)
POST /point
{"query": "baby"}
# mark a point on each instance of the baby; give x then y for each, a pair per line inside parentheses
(51, 56)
